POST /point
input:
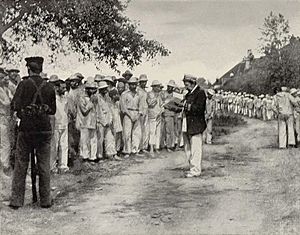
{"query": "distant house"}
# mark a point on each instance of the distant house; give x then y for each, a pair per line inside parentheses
(256, 66)
(239, 69)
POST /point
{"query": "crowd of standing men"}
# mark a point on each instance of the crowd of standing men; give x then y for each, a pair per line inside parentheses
(102, 117)
(284, 106)
(91, 119)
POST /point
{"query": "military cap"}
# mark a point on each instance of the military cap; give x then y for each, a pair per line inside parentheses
(91, 85)
(284, 88)
(35, 63)
(172, 83)
(156, 83)
(189, 78)
(133, 80)
(127, 73)
(102, 85)
(53, 78)
(143, 78)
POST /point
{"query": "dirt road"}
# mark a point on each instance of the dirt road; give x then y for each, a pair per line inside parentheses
(248, 186)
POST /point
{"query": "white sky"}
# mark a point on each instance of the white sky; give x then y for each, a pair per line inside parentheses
(206, 38)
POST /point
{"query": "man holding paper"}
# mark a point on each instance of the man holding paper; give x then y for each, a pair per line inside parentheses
(193, 124)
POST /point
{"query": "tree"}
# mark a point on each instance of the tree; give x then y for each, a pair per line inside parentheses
(275, 33)
(284, 68)
(97, 30)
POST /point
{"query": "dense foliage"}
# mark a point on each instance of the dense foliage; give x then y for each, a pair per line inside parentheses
(98, 30)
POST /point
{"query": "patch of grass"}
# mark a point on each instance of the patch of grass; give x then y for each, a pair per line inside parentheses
(229, 120)
(223, 124)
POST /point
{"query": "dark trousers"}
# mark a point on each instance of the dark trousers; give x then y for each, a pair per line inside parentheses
(73, 139)
(40, 142)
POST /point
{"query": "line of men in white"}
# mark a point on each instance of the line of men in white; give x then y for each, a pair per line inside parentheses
(283, 106)
(107, 117)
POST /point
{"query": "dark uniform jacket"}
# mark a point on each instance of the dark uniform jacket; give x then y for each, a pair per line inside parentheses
(195, 111)
(24, 96)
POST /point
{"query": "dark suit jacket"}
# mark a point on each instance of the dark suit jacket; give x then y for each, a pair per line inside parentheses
(24, 96)
(195, 111)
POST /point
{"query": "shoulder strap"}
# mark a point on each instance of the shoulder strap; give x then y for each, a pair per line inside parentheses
(38, 91)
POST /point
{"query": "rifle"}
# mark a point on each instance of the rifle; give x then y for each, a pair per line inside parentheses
(33, 176)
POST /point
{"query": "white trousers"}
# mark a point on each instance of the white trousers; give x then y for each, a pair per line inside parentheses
(144, 132)
(118, 139)
(297, 127)
(105, 142)
(193, 151)
(59, 149)
(88, 143)
(5, 144)
(286, 131)
(208, 131)
(250, 113)
(131, 135)
(155, 132)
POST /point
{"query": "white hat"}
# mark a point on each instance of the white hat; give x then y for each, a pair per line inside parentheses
(143, 78)
(293, 91)
(11, 68)
(53, 78)
(133, 80)
(89, 84)
(44, 75)
(98, 77)
(189, 77)
(172, 83)
(108, 79)
(211, 92)
(284, 88)
(156, 83)
(102, 85)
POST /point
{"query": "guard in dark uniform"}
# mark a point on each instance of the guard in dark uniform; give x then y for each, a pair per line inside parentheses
(34, 101)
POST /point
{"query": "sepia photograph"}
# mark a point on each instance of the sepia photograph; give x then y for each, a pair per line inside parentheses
(149, 117)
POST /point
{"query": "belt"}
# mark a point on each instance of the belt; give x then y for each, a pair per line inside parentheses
(133, 109)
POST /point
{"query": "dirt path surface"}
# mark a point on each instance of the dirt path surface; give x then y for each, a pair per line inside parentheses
(247, 187)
